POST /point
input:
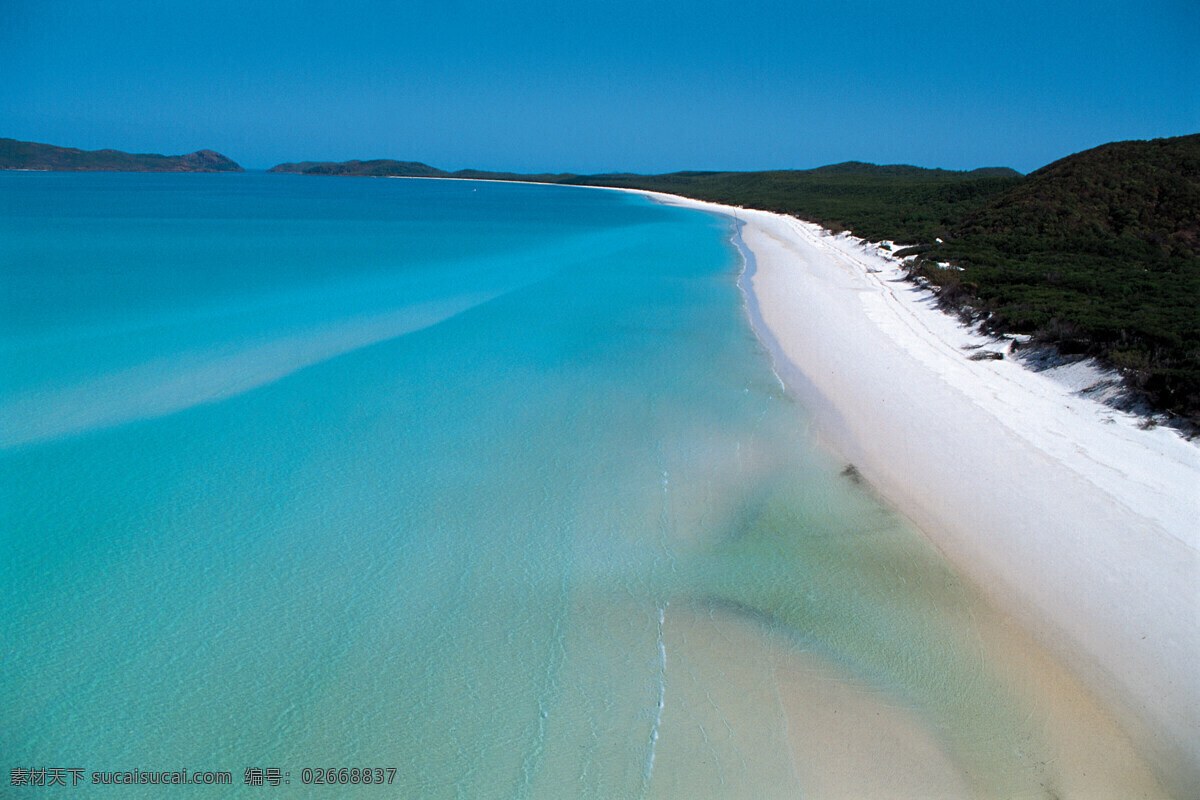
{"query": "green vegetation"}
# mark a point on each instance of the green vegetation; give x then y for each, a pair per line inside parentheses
(900, 203)
(31, 155)
(1096, 254)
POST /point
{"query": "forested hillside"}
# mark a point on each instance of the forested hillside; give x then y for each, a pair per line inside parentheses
(1097, 253)
(897, 202)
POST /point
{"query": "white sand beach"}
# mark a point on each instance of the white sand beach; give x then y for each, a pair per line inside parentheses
(1078, 524)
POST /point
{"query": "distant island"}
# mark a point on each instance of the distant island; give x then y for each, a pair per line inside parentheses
(33, 156)
(1097, 254)
(388, 168)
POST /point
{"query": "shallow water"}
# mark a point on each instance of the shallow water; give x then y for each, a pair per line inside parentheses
(467, 480)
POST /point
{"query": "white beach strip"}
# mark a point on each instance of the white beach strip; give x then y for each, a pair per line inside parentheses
(1077, 523)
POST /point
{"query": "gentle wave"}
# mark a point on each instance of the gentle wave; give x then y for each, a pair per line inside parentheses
(648, 767)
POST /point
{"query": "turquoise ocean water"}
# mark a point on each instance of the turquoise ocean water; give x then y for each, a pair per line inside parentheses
(467, 480)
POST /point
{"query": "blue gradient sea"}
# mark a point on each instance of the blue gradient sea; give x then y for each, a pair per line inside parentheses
(475, 483)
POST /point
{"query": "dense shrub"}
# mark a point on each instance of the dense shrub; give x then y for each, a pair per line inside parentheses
(1097, 253)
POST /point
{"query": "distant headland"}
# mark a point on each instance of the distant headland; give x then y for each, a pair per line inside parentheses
(390, 168)
(34, 156)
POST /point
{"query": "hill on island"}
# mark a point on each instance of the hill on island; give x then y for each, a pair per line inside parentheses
(33, 156)
(375, 168)
(1096, 254)
(388, 168)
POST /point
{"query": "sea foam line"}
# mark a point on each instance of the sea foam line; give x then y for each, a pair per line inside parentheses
(648, 769)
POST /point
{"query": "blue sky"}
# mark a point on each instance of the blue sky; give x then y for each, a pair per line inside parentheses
(596, 86)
